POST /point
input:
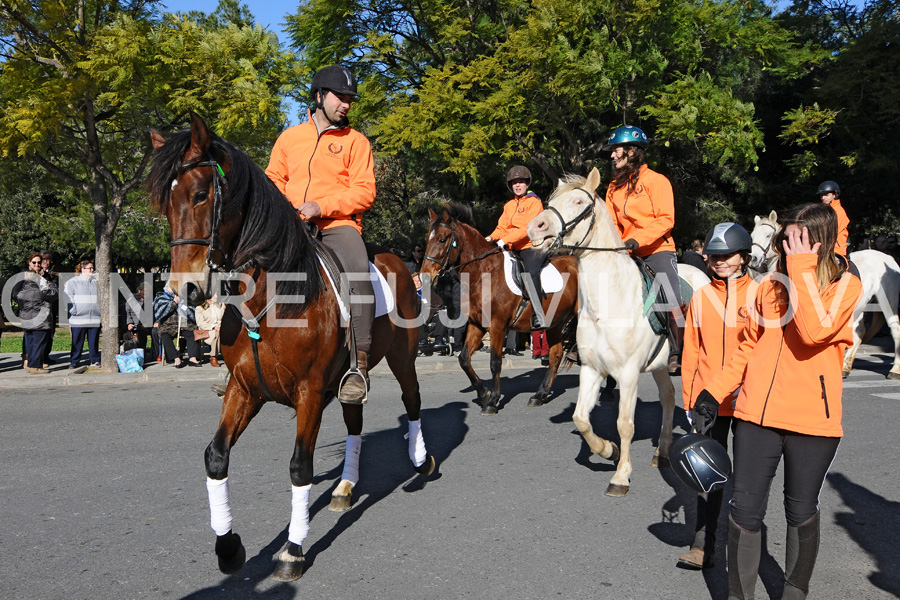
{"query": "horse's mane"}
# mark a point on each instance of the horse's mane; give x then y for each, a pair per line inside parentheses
(567, 183)
(273, 235)
(460, 212)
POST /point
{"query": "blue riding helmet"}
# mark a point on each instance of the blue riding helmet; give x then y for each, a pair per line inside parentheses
(627, 135)
(700, 462)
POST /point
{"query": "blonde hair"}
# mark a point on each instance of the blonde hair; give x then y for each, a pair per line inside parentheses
(820, 221)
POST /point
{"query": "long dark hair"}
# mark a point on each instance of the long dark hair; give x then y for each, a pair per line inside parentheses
(628, 175)
(272, 235)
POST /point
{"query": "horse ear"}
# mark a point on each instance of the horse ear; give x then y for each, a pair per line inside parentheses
(560, 182)
(756, 219)
(201, 137)
(773, 216)
(431, 215)
(157, 139)
(593, 180)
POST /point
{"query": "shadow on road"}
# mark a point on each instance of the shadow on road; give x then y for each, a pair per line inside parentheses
(384, 467)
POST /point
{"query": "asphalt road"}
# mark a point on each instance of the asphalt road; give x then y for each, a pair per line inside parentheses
(103, 496)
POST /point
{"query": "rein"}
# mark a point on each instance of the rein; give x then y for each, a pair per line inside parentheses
(568, 226)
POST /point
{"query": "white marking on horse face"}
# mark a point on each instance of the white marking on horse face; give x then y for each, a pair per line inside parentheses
(174, 183)
(431, 235)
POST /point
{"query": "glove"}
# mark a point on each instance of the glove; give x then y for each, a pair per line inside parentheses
(706, 409)
(631, 244)
(487, 238)
(501, 244)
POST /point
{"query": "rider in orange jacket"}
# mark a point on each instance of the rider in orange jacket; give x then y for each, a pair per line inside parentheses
(512, 232)
(788, 370)
(642, 206)
(714, 329)
(829, 193)
(327, 171)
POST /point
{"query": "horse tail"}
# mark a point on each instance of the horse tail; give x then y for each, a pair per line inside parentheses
(874, 327)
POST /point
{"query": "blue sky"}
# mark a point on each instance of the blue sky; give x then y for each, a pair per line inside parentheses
(268, 13)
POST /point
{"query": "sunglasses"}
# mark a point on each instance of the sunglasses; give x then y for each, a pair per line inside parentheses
(35, 262)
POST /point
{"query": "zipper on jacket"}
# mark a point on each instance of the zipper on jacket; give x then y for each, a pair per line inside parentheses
(724, 321)
(771, 383)
(824, 396)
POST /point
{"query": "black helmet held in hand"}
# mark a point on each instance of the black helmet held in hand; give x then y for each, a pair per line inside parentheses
(336, 78)
(727, 238)
(700, 462)
(829, 186)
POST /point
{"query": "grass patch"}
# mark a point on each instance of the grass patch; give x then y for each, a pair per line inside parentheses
(62, 341)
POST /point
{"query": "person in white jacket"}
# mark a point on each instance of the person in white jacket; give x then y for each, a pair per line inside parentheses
(209, 318)
(84, 313)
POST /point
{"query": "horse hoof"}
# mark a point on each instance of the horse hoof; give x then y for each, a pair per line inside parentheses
(230, 552)
(490, 409)
(893, 375)
(616, 491)
(427, 467)
(289, 566)
(340, 503)
(536, 401)
(845, 374)
(659, 461)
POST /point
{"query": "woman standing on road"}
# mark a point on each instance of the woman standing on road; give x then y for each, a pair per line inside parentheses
(788, 369)
(35, 295)
(713, 330)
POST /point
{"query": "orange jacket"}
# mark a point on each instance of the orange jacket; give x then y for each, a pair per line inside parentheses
(512, 226)
(334, 169)
(648, 215)
(790, 375)
(840, 246)
(714, 328)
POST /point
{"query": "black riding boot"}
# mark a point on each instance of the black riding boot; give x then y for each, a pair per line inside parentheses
(744, 548)
(800, 558)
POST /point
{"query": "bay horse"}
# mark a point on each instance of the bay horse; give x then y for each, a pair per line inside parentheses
(614, 337)
(227, 217)
(455, 245)
(878, 273)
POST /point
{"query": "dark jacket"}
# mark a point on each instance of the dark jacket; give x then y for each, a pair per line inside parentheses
(35, 296)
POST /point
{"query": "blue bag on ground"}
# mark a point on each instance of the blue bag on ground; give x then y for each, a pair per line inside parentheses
(131, 361)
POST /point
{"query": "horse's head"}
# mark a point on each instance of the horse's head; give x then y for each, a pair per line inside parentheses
(570, 213)
(442, 248)
(764, 230)
(189, 183)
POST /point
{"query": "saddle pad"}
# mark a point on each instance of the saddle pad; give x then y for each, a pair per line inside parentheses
(658, 321)
(551, 278)
(384, 297)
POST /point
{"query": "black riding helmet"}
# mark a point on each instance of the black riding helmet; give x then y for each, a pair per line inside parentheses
(727, 238)
(700, 462)
(518, 172)
(336, 78)
(829, 186)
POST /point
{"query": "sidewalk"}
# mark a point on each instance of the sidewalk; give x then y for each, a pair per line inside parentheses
(13, 376)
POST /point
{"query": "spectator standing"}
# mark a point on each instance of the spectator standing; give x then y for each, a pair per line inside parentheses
(50, 275)
(84, 313)
(714, 328)
(209, 318)
(788, 407)
(35, 294)
(414, 262)
(133, 323)
(694, 256)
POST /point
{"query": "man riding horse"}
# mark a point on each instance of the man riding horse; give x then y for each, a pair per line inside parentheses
(327, 171)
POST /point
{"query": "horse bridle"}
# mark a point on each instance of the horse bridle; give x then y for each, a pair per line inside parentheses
(212, 242)
(454, 243)
(765, 251)
(568, 226)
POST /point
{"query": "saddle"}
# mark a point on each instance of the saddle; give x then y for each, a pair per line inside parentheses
(659, 319)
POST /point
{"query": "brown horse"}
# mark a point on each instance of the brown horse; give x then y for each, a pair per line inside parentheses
(455, 245)
(227, 218)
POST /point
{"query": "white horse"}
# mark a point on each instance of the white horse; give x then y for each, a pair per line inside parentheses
(614, 336)
(880, 277)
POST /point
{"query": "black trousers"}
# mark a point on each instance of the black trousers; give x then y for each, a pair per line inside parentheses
(757, 452)
(168, 344)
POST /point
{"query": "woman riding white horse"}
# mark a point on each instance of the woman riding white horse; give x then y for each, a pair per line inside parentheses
(614, 335)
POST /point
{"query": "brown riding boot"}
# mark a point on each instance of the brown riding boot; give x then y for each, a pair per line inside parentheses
(355, 385)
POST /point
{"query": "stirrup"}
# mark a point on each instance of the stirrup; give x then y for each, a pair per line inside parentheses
(350, 391)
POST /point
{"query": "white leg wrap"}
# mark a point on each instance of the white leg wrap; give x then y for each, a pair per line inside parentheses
(351, 459)
(417, 450)
(219, 508)
(299, 527)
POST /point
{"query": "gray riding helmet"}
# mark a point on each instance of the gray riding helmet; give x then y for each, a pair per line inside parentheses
(700, 462)
(727, 238)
